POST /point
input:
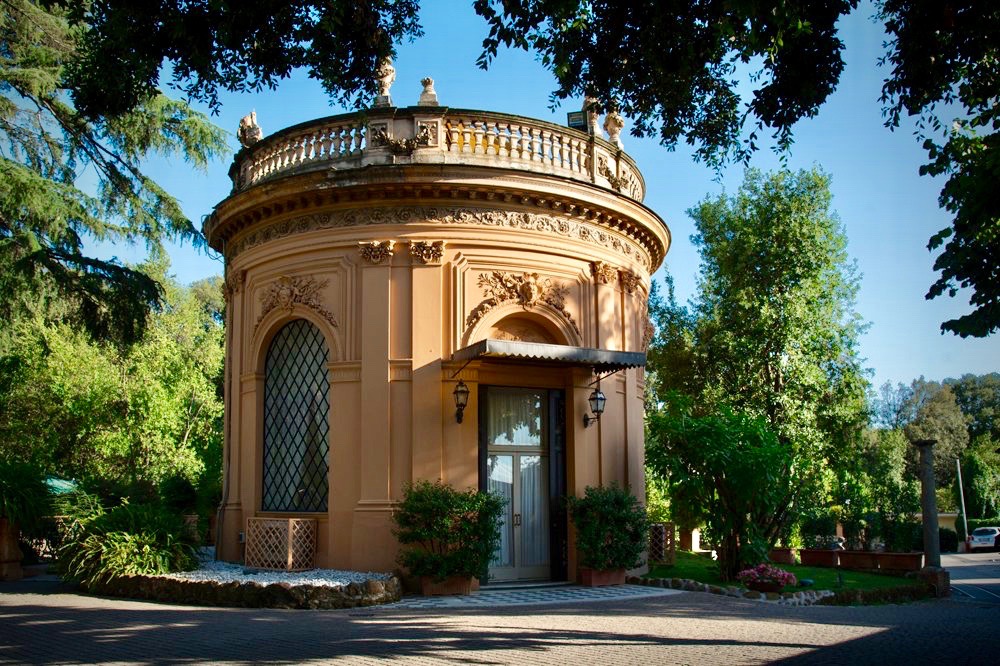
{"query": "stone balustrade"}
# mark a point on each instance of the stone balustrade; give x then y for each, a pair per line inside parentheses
(438, 135)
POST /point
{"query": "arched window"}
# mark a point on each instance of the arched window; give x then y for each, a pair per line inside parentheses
(296, 420)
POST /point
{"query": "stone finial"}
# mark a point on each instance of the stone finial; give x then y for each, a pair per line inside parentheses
(386, 75)
(593, 118)
(249, 132)
(613, 125)
(429, 96)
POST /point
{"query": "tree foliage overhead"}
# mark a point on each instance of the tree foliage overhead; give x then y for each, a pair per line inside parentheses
(66, 179)
(677, 69)
(231, 45)
(674, 67)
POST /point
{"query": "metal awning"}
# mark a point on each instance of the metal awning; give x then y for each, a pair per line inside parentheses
(601, 360)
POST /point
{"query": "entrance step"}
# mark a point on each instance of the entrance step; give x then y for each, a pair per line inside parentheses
(524, 585)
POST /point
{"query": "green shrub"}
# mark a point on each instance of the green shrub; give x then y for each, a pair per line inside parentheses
(24, 497)
(948, 540)
(611, 528)
(900, 536)
(449, 532)
(976, 523)
(178, 494)
(100, 544)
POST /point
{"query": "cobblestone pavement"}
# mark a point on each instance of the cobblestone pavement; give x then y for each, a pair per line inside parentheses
(40, 623)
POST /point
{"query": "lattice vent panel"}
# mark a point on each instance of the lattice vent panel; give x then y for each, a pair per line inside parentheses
(281, 543)
(662, 546)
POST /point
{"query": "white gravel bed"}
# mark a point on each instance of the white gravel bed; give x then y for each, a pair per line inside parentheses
(226, 572)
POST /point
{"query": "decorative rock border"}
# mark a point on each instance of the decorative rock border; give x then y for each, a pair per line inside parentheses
(251, 594)
(800, 598)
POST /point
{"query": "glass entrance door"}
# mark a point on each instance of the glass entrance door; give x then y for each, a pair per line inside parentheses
(516, 430)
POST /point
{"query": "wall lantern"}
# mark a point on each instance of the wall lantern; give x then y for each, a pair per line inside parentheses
(596, 401)
(461, 399)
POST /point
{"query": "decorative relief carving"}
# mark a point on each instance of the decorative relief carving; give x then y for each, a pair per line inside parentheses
(617, 183)
(430, 130)
(629, 281)
(286, 292)
(603, 272)
(360, 217)
(233, 283)
(427, 253)
(376, 252)
(380, 137)
(527, 290)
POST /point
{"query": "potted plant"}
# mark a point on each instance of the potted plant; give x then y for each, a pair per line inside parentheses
(820, 542)
(766, 578)
(24, 500)
(611, 531)
(900, 556)
(449, 535)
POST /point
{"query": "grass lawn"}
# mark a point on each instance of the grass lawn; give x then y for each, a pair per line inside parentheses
(701, 567)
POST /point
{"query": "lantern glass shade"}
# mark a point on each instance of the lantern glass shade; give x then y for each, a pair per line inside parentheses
(597, 401)
(461, 395)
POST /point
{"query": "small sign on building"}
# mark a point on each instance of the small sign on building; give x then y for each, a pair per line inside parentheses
(577, 120)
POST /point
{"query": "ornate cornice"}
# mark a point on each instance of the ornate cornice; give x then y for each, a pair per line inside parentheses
(424, 252)
(287, 292)
(233, 283)
(376, 252)
(527, 290)
(446, 215)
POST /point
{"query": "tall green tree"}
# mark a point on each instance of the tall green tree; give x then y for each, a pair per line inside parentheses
(678, 69)
(933, 413)
(770, 335)
(772, 330)
(978, 396)
(67, 178)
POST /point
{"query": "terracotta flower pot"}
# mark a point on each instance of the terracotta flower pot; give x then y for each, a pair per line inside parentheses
(860, 560)
(782, 555)
(765, 586)
(901, 562)
(824, 557)
(449, 586)
(601, 578)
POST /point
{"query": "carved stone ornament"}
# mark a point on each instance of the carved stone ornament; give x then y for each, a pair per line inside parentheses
(613, 125)
(249, 132)
(428, 97)
(527, 290)
(446, 215)
(593, 118)
(379, 137)
(233, 283)
(376, 252)
(287, 292)
(617, 183)
(427, 253)
(629, 281)
(603, 272)
(385, 75)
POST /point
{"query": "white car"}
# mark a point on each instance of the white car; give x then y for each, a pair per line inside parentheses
(984, 537)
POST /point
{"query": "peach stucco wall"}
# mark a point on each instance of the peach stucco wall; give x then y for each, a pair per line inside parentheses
(392, 322)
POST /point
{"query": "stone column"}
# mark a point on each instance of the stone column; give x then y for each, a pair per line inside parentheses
(932, 573)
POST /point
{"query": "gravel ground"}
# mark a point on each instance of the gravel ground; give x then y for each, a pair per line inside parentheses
(224, 572)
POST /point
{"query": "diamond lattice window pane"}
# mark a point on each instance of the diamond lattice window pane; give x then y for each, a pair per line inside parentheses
(296, 420)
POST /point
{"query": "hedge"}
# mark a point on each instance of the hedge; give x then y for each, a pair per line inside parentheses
(974, 523)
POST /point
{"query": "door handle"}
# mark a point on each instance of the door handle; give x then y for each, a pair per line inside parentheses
(517, 520)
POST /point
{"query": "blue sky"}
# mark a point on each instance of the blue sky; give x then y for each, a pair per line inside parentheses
(889, 211)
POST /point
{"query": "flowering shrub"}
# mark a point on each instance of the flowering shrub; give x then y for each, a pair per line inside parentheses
(766, 573)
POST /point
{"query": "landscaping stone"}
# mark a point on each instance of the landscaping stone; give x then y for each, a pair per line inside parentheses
(251, 594)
